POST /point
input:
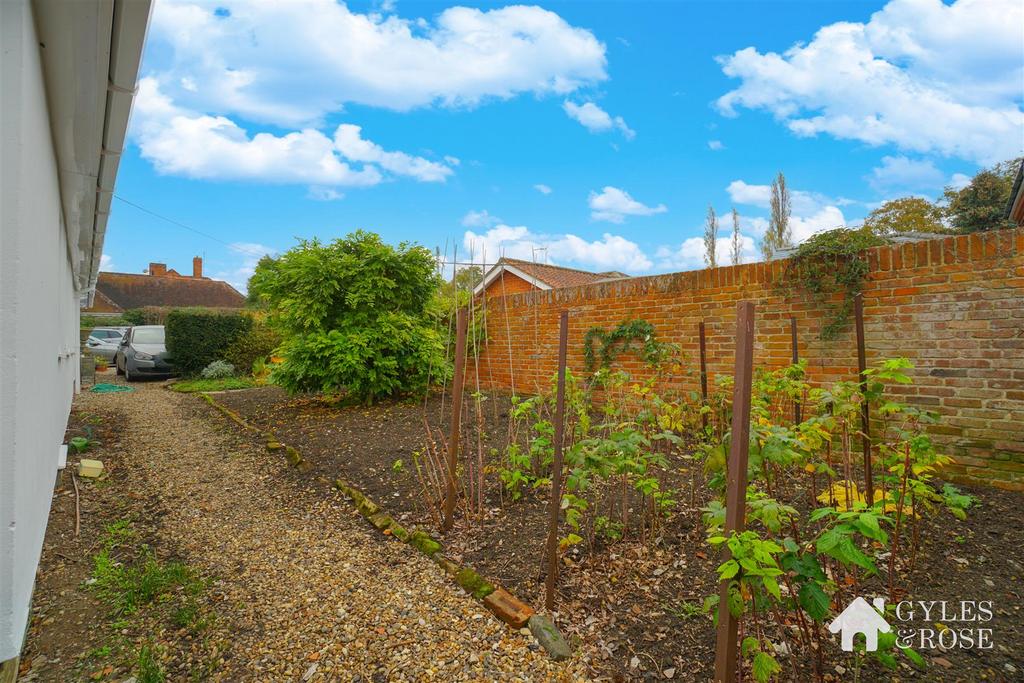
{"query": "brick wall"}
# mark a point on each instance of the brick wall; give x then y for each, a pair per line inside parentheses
(507, 284)
(953, 306)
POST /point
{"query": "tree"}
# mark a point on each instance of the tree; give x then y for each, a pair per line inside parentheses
(354, 316)
(264, 270)
(981, 205)
(711, 238)
(736, 248)
(468, 278)
(778, 235)
(907, 214)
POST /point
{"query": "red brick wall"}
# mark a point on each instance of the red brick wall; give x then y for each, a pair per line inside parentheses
(507, 284)
(953, 306)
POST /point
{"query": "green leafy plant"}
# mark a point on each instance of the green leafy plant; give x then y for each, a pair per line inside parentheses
(81, 444)
(354, 318)
(828, 264)
(629, 335)
(856, 535)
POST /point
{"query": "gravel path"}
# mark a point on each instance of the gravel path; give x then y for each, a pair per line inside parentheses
(305, 589)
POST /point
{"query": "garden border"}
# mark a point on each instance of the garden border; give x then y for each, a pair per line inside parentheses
(500, 602)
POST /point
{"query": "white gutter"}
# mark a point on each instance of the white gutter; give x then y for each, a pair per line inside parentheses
(91, 52)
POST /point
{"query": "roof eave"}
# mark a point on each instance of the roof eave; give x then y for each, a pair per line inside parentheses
(498, 269)
(91, 53)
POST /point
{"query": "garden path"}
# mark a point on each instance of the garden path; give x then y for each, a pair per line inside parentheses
(305, 590)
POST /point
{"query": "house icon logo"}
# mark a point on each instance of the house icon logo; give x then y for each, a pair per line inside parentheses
(861, 617)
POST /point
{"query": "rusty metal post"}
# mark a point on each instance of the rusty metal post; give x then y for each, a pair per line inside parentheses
(797, 407)
(555, 505)
(461, 321)
(736, 487)
(703, 376)
(865, 411)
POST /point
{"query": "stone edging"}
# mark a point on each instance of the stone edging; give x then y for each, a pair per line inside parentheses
(496, 599)
(293, 457)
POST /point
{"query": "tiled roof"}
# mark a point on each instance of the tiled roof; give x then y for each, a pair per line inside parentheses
(129, 290)
(557, 277)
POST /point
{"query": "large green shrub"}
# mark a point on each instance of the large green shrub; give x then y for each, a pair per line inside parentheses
(255, 345)
(354, 316)
(198, 336)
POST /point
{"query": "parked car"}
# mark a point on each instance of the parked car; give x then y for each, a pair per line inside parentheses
(103, 341)
(142, 353)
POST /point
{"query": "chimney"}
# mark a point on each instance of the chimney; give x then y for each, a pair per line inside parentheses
(158, 269)
(197, 266)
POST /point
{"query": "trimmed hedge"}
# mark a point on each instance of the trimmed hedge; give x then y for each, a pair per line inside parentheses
(198, 336)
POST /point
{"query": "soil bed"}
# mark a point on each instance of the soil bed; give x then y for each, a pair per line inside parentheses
(634, 602)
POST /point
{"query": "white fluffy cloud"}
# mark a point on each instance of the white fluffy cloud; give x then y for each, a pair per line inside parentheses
(922, 75)
(350, 144)
(293, 63)
(613, 205)
(959, 181)
(611, 252)
(106, 263)
(690, 254)
(479, 219)
(542, 188)
(715, 145)
(597, 120)
(183, 142)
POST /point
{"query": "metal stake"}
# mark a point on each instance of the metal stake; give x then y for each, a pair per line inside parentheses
(453, 440)
(703, 376)
(554, 507)
(736, 486)
(797, 408)
(865, 412)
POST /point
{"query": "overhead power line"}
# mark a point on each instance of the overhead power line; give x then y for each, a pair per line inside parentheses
(233, 246)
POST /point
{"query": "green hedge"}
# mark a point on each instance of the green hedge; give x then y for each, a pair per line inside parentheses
(198, 336)
(256, 344)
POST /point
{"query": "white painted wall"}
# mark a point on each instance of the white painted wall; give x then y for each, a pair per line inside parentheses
(38, 319)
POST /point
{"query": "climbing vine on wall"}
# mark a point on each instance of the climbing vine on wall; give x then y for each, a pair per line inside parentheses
(829, 263)
(601, 347)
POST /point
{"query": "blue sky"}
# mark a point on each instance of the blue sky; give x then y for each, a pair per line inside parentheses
(598, 132)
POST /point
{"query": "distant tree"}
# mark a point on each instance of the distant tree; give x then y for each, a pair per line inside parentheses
(778, 235)
(907, 214)
(711, 238)
(468, 278)
(736, 248)
(981, 205)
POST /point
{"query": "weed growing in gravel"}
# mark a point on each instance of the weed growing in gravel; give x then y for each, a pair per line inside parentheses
(143, 591)
(687, 610)
(127, 588)
(149, 668)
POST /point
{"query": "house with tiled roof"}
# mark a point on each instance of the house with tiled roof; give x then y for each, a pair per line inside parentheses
(512, 276)
(162, 287)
